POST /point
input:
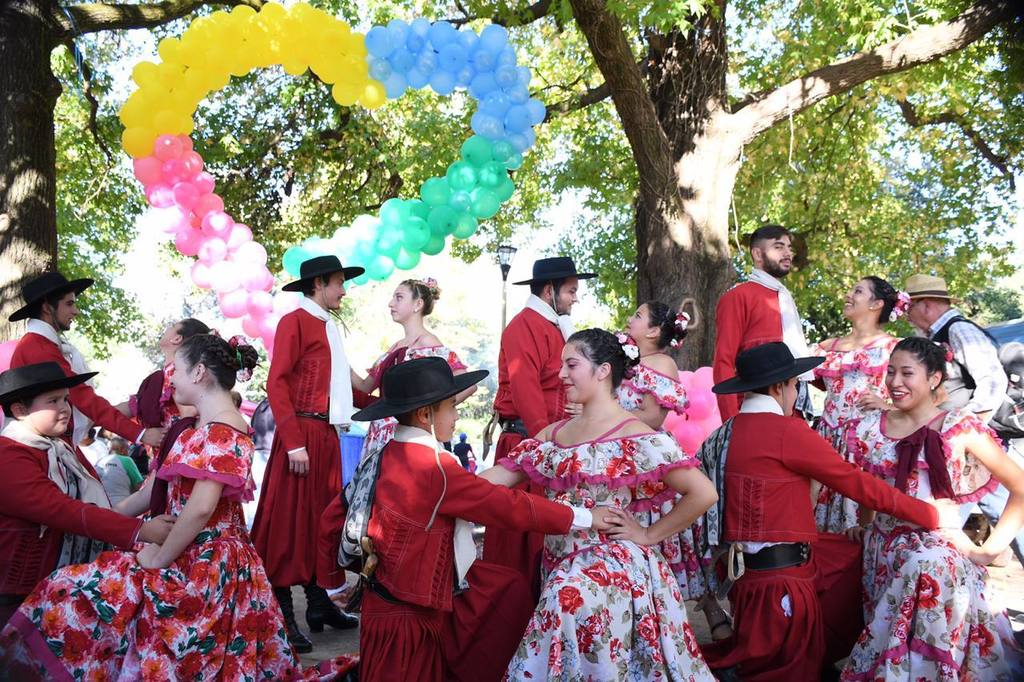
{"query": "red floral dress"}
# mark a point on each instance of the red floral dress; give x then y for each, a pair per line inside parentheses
(848, 375)
(210, 615)
(925, 606)
(609, 610)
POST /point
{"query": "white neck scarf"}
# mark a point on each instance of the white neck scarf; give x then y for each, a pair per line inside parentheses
(758, 403)
(792, 328)
(465, 548)
(340, 409)
(82, 424)
(563, 322)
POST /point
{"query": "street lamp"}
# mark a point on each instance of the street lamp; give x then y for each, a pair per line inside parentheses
(505, 254)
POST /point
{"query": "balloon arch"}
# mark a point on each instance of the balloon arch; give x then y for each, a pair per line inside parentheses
(362, 70)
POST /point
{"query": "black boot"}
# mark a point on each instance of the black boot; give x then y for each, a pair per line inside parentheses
(299, 641)
(320, 611)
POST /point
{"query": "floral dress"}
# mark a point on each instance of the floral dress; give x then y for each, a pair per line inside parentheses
(848, 375)
(383, 430)
(210, 615)
(678, 550)
(925, 606)
(609, 610)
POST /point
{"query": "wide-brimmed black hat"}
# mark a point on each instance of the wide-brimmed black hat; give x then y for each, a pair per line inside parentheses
(417, 383)
(763, 366)
(44, 285)
(18, 382)
(559, 267)
(321, 266)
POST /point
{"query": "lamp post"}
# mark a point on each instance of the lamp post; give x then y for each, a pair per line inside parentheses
(505, 254)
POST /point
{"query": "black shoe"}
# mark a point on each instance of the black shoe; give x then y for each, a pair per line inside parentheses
(300, 643)
(321, 611)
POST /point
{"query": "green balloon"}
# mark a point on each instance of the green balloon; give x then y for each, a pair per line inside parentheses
(477, 150)
(407, 260)
(461, 201)
(492, 174)
(293, 258)
(465, 227)
(461, 175)
(361, 279)
(502, 151)
(435, 245)
(435, 191)
(505, 190)
(415, 234)
(393, 212)
(381, 268)
(442, 220)
(515, 161)
(485, 203)
(418, 209)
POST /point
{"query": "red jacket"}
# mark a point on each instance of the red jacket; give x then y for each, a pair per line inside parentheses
(30, 500)
(528, 365)
(748, 315)
(33, 348)
(416, 564)
(768, 472)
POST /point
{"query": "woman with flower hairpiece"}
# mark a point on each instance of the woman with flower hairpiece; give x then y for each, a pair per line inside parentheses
(412, 301)
(853, 377)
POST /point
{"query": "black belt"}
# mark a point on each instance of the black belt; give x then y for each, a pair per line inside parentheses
(313, 415)
(12, 599)
(778, 556)
(513, 425)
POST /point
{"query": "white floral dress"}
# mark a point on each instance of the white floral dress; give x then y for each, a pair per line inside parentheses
(848, 375)
(609, 610)
(926, 611)
(383, 430)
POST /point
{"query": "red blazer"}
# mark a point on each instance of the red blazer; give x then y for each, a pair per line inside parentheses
(748, 315)
(30, 500)
(416, 564)
(33, 348)
(300, 374)
(528, 365)
(768, 472)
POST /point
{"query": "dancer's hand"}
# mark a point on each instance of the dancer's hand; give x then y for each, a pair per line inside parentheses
(949, 514)
(602, 518)
(855, 534)
(156, 529)
(963, 544)
(870, 401)
(298, 462)
(625, 527)
(153, 436)
(147, 557)
(573, 409)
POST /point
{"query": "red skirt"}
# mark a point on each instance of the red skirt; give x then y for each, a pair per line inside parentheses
(516, 549)
(400, 642)
(287, 521)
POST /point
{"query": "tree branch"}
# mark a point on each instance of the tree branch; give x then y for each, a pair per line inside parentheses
(581, 101)
(513, 17)
(92, 17)
(921, 46)
(915, 120)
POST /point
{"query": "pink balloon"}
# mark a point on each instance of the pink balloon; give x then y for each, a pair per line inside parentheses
(254, 278)
(208, 203)
(671, 420)
(268, 325)
(218, 224)
(170, 220)
(195, 221)
(689, 436)
(686, 379)
(213, 250)
(188, 241)
(201, 275)
(702, 404)
(224, 277)
(704, 377)
(204, 183)
(285, 302)
(185, 195)
(174, 171)
(160, 195)
(261, 303)
(233, 303)
(240, 234)
(168, 147)
(186, 143)
(250, 252)
(251, 326)
(193, 163)
(147, 170)
(6, 352)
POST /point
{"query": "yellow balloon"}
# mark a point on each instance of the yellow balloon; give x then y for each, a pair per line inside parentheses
(293, 66)
(373, 95)
(134, 112)
(345, 94)
(243, 11)
(146, 73)
(138, 142)
(169, 50)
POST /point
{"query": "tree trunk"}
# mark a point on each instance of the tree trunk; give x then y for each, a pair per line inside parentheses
(29, 91)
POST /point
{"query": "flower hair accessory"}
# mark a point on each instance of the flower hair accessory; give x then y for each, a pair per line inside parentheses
(949, 355)
(681, 323)
(631, 350)
(243, 373)
(900, 307)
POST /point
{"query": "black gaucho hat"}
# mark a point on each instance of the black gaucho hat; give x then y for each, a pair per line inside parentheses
(321, 266)
(42, 286)
(559, 267)
(765, 365)
(27, 380)
(414, 384)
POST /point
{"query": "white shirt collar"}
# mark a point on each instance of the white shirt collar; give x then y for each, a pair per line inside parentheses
(414, 434)
(943, 319)
(759, 403)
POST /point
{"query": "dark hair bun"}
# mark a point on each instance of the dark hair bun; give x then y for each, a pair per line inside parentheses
(600, 346)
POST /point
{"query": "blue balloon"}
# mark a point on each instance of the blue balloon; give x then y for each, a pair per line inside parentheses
(483, 59)
(452, 57)
(482, 84)
(506, 76)
(517, 119)
(495, 103)
(487, 126)
(427, 61)
(378, 42)
(464, 76)
(537, 111)
(395, 85)
(401, 60)
(494, 37)
(467, 39)
(399, 30)
(507, 57)
(415, 42)
(442, 82)
(380, 69)
(524, 76)
(441, 33)
(417, 79)
(420, 27)
(518, 95)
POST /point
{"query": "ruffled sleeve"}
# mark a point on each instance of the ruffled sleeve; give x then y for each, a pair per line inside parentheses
(443, 352)
(970, 478)
(872, 359)
(215, 453)
(667, 391)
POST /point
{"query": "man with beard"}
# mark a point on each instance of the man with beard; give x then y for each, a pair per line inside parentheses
(530, 393)
(758, 311)
(50, 308)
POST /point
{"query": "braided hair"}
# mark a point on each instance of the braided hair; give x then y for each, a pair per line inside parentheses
(600, 346)
(217, 355)
(190, 327)
(667, 319)
(884, 292)
(928, 353)
(426, 291)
